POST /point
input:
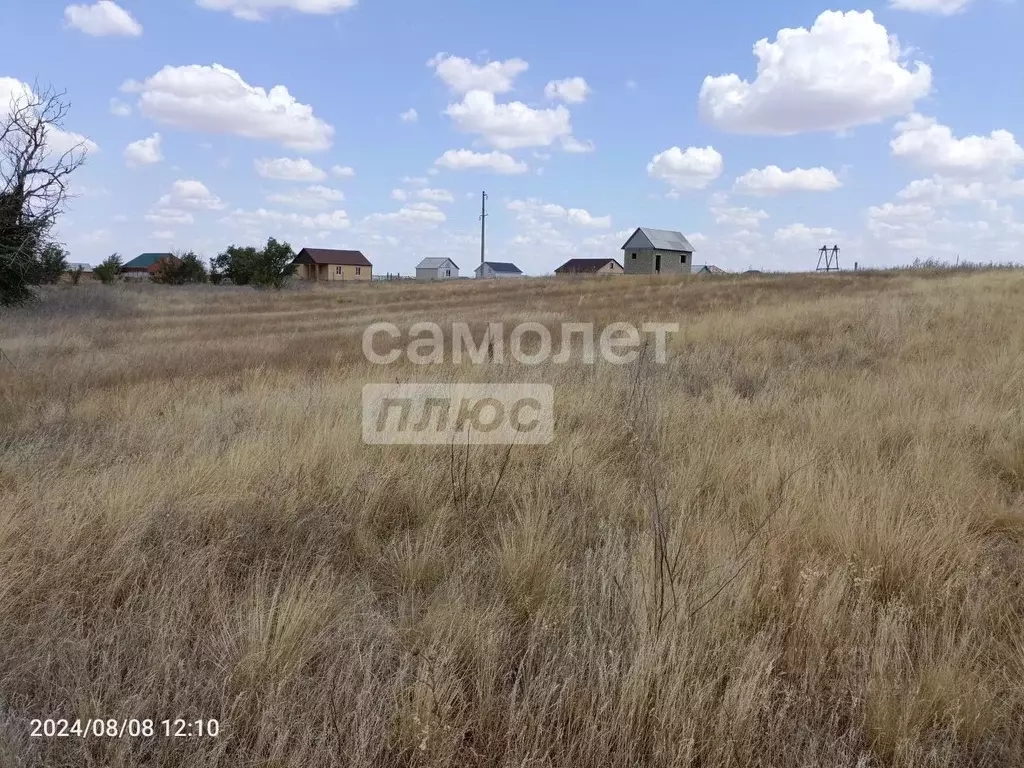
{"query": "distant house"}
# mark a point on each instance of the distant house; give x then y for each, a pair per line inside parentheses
(437, 269)
(590, 267)
(144, 264)
(657, 252)
(708, 269)
(498, 269)
(87, 273)
(324, 264)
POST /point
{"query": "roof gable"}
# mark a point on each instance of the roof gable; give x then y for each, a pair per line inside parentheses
(331, 256)
(146, 260)
(660, 239)
(437, 263)
(638, 240)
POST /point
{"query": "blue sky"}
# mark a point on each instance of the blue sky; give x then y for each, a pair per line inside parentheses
(889, 129)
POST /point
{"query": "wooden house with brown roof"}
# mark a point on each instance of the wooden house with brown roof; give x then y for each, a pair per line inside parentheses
(590, 267)
(328, 265)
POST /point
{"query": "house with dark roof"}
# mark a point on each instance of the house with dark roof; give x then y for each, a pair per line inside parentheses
(708, 269)
(327, 265)
(590, 267)
(144, 264)
(498, 269)
(437, 269)
(657, 252)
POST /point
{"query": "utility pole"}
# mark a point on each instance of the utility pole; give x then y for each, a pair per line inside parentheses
(483, 224)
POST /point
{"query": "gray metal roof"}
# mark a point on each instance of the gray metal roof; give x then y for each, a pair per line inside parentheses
(503, 266)
(435, 263)
(664, 239)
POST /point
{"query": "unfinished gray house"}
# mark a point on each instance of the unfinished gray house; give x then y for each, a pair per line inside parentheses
(437, 269)
(657, 252)
(498, 269)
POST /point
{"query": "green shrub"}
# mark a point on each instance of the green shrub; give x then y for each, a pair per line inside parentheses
(180, 270)
(267, 267)
(109, 269)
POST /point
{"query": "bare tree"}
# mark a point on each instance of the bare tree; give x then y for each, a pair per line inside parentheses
(35, 173)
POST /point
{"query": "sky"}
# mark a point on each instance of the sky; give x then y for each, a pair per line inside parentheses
(762, 131)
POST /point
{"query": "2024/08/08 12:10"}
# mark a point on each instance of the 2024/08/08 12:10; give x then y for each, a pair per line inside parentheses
(117, 728)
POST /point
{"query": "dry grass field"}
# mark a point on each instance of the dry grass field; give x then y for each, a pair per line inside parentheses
(799, 542)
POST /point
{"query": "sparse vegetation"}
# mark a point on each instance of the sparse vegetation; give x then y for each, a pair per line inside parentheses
(797, 543)
(267, 267)
(108, 269)
(180, 269)
(51, 264)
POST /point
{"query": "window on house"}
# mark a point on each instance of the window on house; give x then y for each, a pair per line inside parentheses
(339, 271)
(682, 258)
(359, 270)
(632, 255)
(447, 273)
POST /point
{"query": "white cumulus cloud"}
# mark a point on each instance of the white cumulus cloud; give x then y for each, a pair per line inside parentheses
(846, 70)
(745, 218)
(574, 146)
(773, 180)
(414, 214)
(938, 7)
(342, 172)
(573, 90)
(462, 75)
(263, 220)
(942, 191)
(119, 109)
(509, 126)
(215, 99)
(143, 152)
(258, 10)
(190, 194)
(801, 234)
(289, 169)
(409, 116)
(932, 146)
(58, 140)
(466, 159)
(533, 211)
(102, 19)
(694, 168)
(312, 197)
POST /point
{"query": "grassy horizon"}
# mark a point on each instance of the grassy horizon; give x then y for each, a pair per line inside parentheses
(798, 542)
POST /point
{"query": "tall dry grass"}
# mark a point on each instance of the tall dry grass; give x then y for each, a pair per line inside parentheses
(797, 543)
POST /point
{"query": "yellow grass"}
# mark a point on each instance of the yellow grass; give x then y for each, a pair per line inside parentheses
(797, 543)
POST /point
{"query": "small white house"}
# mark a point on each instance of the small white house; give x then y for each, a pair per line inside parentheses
(498, 269)
(437, 269)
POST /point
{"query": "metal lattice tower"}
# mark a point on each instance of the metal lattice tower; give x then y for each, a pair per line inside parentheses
(828, 259)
